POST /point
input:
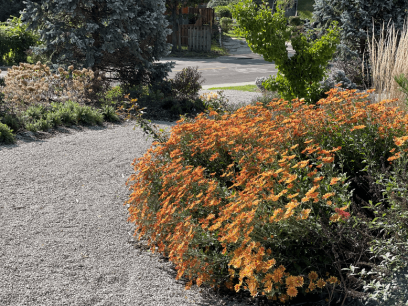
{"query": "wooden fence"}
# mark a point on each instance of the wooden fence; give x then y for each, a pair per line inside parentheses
(205, 20)
(206, 15)
(199, 39)
(184, 33)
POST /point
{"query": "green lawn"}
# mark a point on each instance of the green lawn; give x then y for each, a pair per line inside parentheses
(251, 88)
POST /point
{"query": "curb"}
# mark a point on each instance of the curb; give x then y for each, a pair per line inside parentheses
(4, 68)
(206, 87)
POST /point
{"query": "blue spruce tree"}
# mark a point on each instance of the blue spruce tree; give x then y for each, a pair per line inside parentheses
(124, 37)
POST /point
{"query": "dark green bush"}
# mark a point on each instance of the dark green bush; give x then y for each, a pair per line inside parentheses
(12, 121)
(186, 84)
(295, 21)
(15, 40)
(6, 134)
(223, 11)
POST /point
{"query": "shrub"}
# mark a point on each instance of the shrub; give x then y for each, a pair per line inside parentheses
(260, 200)
(6, 134)
(218, 3)
(223, 11)
(226, 24)
(15, 40)
(394, 251)
(35, 84)
(109, 114)
(352, 69)
(259, 81)
(12, 121)
(295, 21)
(336, 76)
(39, 125)
(186, 83)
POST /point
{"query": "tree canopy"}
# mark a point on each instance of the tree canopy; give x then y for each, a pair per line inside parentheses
(125, 37)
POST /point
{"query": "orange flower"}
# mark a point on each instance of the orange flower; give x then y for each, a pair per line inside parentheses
(214, 156)
(328, 159)
(312, 286)
(292, 196)
(396, 156)
(304, 213)
(321, 283)
(299, 281)
(277, 275)
(313, 275)
(332, 280)
(334, 180)
(357, 127)
(291, 281)
(328, 195)
(292, 291)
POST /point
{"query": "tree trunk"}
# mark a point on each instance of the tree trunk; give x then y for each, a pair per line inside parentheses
(174, 25)
(180, 22)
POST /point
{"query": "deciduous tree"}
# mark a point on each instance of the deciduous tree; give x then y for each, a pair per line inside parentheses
(267, 34)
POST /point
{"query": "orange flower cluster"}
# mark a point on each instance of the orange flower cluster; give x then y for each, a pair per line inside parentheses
(181, 207)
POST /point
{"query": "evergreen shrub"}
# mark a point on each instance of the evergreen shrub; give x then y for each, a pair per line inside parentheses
(262, 200)
(128, 46)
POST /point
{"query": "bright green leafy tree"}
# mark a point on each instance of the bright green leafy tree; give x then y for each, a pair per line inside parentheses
(267, 33)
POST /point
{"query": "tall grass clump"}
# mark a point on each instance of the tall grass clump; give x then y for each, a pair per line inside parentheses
(260, 200)
(388, 58)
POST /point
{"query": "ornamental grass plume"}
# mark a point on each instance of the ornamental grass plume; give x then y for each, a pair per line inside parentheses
(255, 199)
(388, 59)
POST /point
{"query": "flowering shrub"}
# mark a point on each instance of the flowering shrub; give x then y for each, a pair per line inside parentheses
(252, 200)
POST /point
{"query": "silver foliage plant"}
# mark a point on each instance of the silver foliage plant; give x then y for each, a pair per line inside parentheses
(336, 76)
(124, 37)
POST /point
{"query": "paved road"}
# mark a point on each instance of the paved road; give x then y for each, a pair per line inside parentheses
(222, 71)
(237, 69)
(227, 70)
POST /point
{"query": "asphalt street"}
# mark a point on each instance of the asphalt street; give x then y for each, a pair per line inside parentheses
(227, 70)
(241, 67)
(220, 71)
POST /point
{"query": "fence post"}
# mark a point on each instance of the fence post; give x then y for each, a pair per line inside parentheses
(219, 29)
(190, 40)
(209, 40)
